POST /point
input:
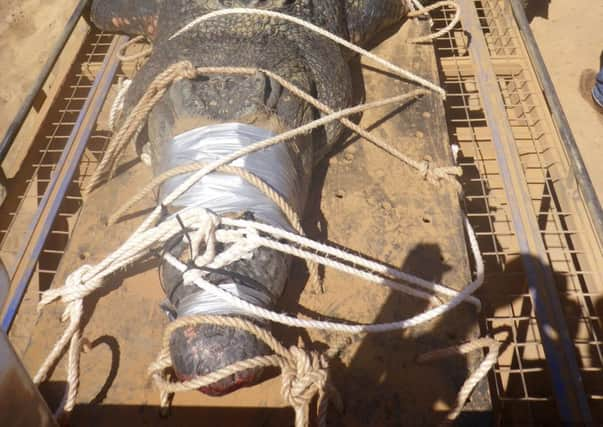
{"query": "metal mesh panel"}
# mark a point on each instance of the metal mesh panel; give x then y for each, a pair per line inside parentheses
(521, 384)
(30, 184)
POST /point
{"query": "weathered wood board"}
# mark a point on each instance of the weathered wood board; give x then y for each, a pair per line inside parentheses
(362, 199)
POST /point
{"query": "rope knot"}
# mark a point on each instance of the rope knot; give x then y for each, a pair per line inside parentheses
(437, 174)
(448, 172)
(78, 277)
(185, 70)
(204, 235)
(75, 288)
(425, 169)
(244, 242)
(305, 375)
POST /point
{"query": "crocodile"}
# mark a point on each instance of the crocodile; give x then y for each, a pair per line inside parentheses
(313, 63)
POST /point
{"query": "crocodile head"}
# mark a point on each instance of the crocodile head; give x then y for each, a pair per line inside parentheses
(309, 61)
(207, 101)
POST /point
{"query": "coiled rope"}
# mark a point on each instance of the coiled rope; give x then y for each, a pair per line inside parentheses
(121, 53)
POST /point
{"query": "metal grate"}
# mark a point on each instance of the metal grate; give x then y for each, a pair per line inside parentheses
(521, 384)
(30, 184)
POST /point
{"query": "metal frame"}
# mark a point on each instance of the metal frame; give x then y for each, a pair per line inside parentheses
(583, 179)
(63, 175)
(560, 220)
(17, 123)
(560, 355)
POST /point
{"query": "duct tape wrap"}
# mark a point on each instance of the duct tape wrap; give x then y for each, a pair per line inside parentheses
(225, 193)
(200, 302)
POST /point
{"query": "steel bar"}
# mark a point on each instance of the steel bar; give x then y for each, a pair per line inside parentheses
(17, 123)
(561, 358)
(62, 177)
(560, 120)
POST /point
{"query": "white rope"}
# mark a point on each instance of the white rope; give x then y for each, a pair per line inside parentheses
(203, 229)
(421, 10)
(479, 374)
(417, 5)
(202, 225)
(118, 103)
(278, 139)
(196, 277)
(271, 14)
(370, 265)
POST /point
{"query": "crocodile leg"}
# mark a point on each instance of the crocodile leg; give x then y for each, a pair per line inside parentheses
(132, 17)
(368, 18)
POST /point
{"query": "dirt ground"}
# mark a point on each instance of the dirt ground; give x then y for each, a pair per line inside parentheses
(570, 39)
(28, 30)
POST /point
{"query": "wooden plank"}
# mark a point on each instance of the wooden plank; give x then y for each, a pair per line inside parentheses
(379, 207)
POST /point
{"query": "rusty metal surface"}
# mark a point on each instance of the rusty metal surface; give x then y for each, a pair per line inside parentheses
(21, 405)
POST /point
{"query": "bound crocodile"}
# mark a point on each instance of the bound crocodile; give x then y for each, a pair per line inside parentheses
(311, 62)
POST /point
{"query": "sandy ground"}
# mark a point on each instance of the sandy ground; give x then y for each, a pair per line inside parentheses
(571, 41)
(28, 30)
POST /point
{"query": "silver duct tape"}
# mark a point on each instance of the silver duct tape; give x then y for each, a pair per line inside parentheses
(224, 193)
(206, 303)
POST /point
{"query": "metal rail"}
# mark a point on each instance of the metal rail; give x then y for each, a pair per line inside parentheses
(560, 354)
(17, 123)
(579, 169)
(65, 170)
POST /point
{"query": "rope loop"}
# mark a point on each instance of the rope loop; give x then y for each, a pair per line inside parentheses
(424, 11)
(121, 53)
(304, 377)
(435, 175)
